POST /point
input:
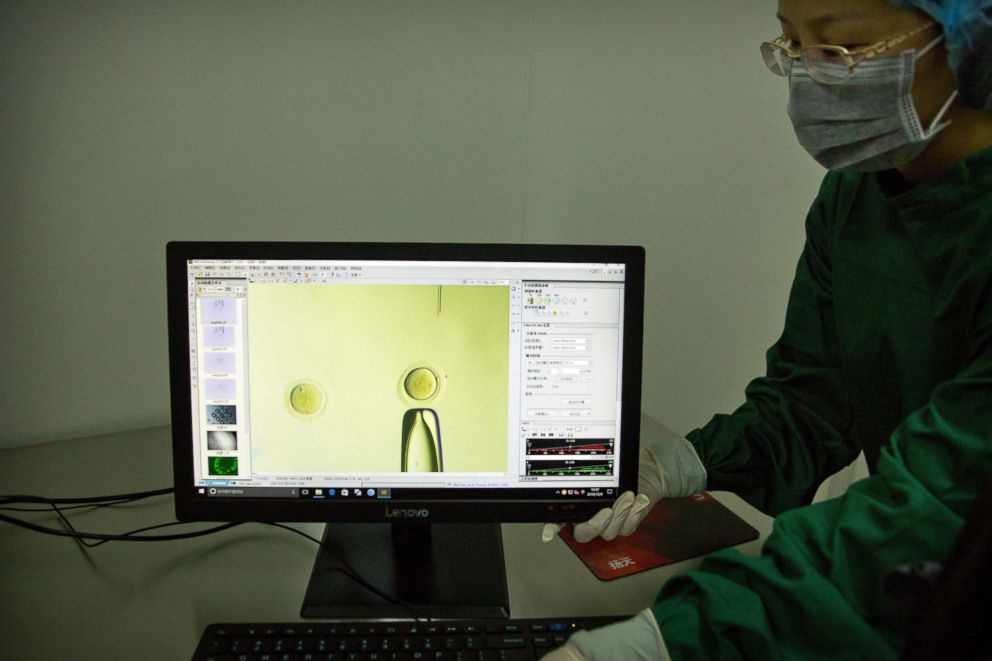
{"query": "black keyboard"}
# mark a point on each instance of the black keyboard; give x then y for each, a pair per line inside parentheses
(438, 640)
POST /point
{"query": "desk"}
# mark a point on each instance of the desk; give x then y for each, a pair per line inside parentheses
(60, 602)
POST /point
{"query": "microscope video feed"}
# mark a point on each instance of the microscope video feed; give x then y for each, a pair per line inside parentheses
(378, 378)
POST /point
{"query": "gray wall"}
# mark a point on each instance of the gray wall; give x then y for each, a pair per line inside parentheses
(128, 124)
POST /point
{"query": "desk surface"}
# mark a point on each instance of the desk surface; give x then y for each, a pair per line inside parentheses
(61, 602)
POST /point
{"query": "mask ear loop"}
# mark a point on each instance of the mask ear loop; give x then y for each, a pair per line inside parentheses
(926, 49)
(936, 125)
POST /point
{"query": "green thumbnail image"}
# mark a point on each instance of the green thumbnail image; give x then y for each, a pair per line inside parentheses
(222, 466)
(334, 369)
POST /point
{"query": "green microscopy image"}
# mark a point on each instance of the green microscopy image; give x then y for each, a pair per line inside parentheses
(222, 466)
(421, 383)
(305, 399)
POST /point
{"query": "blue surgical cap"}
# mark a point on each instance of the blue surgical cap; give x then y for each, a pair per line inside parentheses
(968, 29)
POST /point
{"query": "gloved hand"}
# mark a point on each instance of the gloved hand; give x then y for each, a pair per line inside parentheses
(669, 468)
(637, 638)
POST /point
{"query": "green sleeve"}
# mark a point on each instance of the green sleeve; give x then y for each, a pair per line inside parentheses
(815, 593)
(795, 427)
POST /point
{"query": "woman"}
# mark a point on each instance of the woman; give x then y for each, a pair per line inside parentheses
(887, 348)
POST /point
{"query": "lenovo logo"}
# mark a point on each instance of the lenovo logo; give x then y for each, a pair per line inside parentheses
(392, 513)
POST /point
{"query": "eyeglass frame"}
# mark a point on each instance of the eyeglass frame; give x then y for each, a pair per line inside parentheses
(849, 56)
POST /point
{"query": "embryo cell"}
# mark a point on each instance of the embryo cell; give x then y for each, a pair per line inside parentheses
(306, 399)
(421, 383)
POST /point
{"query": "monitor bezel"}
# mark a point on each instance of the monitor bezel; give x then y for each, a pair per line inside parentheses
(488, 508)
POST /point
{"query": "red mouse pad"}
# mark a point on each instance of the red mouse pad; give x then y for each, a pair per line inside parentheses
(675, 529)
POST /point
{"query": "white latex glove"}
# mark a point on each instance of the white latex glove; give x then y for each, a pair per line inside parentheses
(669, 468)
(637, 638)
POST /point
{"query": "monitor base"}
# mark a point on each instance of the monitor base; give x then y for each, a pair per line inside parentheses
(445, 570)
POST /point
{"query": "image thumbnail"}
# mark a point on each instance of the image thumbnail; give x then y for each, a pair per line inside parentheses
(372, 378)
(220, 388)
(222, 466)
(222, 440)
(219, 337)
(218, 310)
(217, 362)
(221, 414)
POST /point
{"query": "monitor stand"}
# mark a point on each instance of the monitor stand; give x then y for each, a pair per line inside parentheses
(446, 570)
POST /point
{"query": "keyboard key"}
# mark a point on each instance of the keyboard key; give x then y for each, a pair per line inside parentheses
(506, 641)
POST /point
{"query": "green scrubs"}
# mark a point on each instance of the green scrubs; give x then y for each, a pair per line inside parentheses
(887, 347)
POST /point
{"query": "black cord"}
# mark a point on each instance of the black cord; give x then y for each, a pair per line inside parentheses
(126, 537)
(82, 541)
(350, 572)
(10, 508)
(85, 539)
(138, 495)
(51, 502)
(99, 501)
(66, 524)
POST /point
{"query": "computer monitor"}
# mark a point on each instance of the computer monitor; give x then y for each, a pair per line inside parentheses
(412, 396)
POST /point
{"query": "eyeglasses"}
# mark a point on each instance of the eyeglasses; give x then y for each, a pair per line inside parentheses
(827, 64)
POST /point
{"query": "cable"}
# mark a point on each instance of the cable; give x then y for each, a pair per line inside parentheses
(85, 539)
(138, 495)
(126, 537)
(349, 571)
(82, 541)
(99, 501)
(66, 524)
(9, 508)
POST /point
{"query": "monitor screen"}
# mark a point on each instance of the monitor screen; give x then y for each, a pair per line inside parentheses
(403, 382)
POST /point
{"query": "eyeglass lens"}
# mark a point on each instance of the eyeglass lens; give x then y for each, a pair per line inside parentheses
(826, 65)
(823, 63)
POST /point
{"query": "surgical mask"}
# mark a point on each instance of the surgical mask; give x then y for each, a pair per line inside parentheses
(866, 123)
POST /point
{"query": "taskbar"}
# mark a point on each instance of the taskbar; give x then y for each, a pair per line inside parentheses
(368, 493)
